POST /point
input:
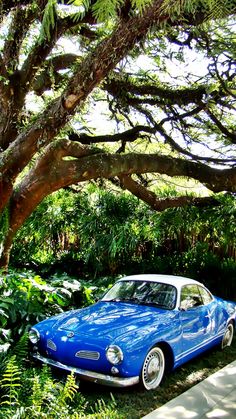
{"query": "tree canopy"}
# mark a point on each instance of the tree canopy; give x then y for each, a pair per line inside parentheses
(133, 60)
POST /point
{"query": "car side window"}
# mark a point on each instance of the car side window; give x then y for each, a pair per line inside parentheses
(206, 295)
(190, 297)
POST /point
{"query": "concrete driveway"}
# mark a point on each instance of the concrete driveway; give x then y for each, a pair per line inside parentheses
(215, 397)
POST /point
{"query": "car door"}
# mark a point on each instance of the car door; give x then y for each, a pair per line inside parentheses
(215, 314)
(196, 321)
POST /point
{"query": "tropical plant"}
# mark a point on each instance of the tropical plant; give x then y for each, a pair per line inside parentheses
(25, 299)
(101, 232)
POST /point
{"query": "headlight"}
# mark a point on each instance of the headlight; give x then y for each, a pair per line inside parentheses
(34, 336)
(114, 354)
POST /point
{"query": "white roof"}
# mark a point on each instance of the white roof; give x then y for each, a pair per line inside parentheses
(177, 281)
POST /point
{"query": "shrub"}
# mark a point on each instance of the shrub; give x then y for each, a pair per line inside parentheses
(26, 299)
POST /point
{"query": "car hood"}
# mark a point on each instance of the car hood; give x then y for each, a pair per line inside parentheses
(112, 319)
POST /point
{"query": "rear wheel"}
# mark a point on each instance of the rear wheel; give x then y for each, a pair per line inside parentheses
(153, 369)
(228, 336)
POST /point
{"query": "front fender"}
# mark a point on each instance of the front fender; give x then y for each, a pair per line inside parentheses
(135, 345)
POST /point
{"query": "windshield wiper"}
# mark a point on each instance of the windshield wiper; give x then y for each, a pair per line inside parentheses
(131, 300)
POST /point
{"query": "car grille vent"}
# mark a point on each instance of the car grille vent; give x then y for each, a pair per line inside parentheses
(88, 355)
(51, 345)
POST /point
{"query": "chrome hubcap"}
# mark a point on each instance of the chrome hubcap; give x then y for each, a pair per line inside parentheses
(153, 368)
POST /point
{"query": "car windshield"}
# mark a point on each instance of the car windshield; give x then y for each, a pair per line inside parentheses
(143, 292)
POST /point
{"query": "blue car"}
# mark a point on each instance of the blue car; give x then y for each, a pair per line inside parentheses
(143, 326)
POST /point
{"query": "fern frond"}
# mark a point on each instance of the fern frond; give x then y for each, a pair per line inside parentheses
(140, 5)
(49, 20)
(213, 9)
(104, 10)
(36, 397)
(44, 391)
(21, 349)
(218, 9)
(101, 410)
(7, 413)
(70, 389)
(20, 413)
(46, 374)
(83, 6)
(11, 382)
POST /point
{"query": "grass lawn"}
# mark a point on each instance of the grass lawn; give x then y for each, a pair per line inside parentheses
(132, 403)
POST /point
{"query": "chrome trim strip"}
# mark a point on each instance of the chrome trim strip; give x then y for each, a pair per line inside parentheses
(199, 346)
(91, 375)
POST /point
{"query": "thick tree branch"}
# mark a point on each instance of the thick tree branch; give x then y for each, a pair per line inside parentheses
(129, 135)
(93, 163)
(21, 81)
(106, 165)
(161, 204)
(20, 24)
(4, 88)
(118, 87)
(54, 170)
(48, 177)
(41, 49)
(50, 74)
(136, 132)
(38, 55)
(12, 4)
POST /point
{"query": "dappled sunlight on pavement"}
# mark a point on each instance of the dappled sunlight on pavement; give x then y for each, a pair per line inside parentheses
(215, 397)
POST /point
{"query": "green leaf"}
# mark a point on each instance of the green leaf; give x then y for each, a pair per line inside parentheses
(49, 19)
(103, 10)
(141, 4)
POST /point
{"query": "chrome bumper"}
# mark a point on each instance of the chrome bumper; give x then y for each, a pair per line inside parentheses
(96, 377)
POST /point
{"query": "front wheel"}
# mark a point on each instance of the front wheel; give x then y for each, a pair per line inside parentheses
(228, 336)
(153, 369)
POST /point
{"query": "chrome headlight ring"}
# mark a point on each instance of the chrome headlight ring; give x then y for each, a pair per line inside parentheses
(34, 336)
(114, 354)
